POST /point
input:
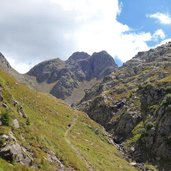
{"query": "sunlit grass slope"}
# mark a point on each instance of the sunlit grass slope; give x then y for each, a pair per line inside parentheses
(77, 141)
(166, 79)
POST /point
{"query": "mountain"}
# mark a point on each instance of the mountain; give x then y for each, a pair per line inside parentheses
(133, 104)
(4, 64)
(40, 132)
(68, 79)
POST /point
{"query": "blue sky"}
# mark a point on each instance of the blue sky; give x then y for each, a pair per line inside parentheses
(135, 14)
(32, 31)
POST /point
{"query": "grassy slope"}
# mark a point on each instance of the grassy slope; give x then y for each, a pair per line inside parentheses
(49, 119)
(166, 79)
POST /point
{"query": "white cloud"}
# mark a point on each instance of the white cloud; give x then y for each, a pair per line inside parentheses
(128, 45)
(89, 8)
(161, 17)
(159, 34)
(163, 42)
(22, 67)
(100, 30)
(33, 31)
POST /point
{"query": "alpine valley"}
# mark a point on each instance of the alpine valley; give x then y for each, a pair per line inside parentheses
(86, 113)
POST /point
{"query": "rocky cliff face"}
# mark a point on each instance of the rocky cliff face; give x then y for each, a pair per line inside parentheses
(67, 75)
(131, 110)
(155, 134)
(4, 63)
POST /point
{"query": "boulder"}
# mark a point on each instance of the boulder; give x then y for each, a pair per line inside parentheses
(15, 152)
(16, 123)
(15, 103)
(11, 150)
(4, 105)
(21, 112)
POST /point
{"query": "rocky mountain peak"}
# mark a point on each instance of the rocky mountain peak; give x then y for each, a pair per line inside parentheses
(103, 59)
(78, 56)
(68, 75)
(101, 53)
(47, 70)
(102, 64)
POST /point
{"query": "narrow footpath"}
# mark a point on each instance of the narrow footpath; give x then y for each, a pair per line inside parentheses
(75, 149)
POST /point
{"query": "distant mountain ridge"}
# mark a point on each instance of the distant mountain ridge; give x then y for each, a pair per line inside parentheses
(65, 76)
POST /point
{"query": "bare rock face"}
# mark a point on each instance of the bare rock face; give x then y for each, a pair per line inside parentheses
(66, 75)
(155, 135)
(102, 64)
(47, 70)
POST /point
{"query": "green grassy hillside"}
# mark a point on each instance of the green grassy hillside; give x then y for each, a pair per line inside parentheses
(55, 136)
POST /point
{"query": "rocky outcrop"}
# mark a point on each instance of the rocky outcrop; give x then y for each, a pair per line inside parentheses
(133, 109)
(67, 75)
(155, 134)
(11, 150)
(122, 86)
(16, 124)
(21, 112)
(119, 115)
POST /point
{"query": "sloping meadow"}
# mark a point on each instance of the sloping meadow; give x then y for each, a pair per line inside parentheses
(49, 135)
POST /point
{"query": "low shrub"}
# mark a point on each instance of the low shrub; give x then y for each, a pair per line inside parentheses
(149, 125)
(5, 118)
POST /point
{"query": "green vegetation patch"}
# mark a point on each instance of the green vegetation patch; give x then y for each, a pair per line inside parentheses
(166, 79)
